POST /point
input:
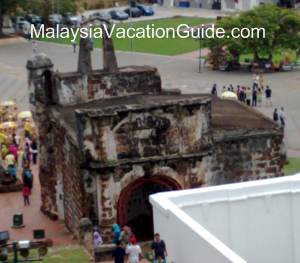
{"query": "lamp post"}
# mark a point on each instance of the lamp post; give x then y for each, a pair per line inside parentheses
(200, 64)
(130, 17)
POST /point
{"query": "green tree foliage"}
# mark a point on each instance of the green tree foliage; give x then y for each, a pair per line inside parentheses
(282, 31)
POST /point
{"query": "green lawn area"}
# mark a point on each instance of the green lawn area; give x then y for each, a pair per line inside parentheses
(69, 255)
(293, 166)
(165, 46)
(72, 254)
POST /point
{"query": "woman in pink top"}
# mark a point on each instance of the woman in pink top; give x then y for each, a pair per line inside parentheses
(13, 150)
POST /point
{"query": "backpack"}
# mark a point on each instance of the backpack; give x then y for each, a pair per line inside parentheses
(27, 174)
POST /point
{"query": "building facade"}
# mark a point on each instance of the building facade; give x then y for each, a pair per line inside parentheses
(109, 138)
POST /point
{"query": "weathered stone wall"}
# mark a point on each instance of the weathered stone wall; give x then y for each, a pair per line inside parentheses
(245, 159)
(74, 88)
(141, 133)
(185, 172)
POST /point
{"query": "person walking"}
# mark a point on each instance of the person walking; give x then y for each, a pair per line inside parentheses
(34, 151)
(259, 97)
(119, 253)
(214, 90)
(282, 118)
(116, 230)
(26, 193)
(134, 251)
(27, 178)
(74, 44)
(275, 116)
(159, 249)
(261, 82)
(34, 47)
(248, 96)
(12, 172)
(254, 98)
(268, 93)
(97, 239)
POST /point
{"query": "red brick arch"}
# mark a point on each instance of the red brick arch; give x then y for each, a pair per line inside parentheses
(165, 181)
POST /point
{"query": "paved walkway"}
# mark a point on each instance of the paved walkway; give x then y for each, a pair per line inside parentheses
(12, 203)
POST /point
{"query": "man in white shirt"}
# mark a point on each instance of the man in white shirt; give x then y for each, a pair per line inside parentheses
(134, 252)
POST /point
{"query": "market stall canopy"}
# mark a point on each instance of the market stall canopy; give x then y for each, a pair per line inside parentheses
(25, 115)
(8, 103)
(8, 125)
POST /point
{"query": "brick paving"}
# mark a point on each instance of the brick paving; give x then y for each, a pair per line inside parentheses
(12, 203)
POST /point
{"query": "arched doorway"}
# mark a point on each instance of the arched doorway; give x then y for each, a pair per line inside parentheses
(134, 208)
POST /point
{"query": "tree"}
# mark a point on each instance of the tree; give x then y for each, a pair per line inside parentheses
(5, 7)
(282, 31)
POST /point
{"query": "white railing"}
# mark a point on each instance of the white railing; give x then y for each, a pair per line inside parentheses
(254, 221)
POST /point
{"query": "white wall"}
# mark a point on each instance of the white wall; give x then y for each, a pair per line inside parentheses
(257, 220)
(186, 240)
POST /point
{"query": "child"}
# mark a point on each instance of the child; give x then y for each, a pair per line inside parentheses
(26, 193)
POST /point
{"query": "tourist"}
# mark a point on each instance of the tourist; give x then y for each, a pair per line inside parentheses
(34, 151)
(2, 173)
(134, 251)
(261, 81)
(159, 249)
(97, 239)
(34, 46)
(268, 93)
(9, 159)
(26, 193)
(12, 172)
(275, 116)
(119, 253)
(242, 96)
(256, 80)
(13, 149)
(254, 98)
(214, 90)
(248, 96)
(126, 234)
(116, 233)
(238, 91)
(259, 97)
(27, 178)
(16, 139)
(27, 151)
(282, 118)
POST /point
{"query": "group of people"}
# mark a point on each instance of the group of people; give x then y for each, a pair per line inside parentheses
(18, 150)
(252, 96)
(127, 247)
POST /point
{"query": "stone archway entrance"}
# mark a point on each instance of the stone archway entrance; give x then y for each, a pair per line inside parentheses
(134, 208)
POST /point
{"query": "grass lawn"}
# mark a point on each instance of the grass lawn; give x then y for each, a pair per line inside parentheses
(72, 254)
(69, 255)
(165, 46)
(293, 166)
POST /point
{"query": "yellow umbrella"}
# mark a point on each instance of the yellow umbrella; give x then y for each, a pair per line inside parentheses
(229, 95)
(24, 115)
(8, 103)
(8, 125)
